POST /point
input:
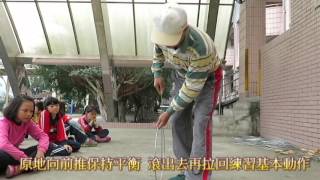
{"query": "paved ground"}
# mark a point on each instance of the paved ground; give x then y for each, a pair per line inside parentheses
(139, 142)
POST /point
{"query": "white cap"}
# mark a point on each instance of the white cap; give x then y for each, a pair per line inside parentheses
(169, 25)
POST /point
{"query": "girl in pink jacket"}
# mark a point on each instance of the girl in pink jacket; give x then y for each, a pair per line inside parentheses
(15, 125)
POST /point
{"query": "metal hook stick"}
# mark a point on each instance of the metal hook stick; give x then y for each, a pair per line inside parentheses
(162, 150)
(155, 151)
(162, 147)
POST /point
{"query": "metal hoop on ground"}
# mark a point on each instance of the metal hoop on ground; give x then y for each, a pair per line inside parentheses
(162, 150)
(162, 144)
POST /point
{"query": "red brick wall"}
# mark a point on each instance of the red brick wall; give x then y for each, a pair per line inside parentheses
(290, 101)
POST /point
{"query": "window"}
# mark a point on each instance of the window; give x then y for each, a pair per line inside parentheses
(59, 28)
(29, 27)
(275, 20)
(65, 29)
(278, 18)
(287, 14)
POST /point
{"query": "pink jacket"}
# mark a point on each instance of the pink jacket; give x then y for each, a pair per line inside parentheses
(12, 135)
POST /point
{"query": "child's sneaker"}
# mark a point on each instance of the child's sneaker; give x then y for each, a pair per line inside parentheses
(89, 143)
(178, 177)
(13, 171)
(103, 140)
(108, 139)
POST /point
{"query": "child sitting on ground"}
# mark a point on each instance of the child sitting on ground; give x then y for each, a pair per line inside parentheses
(88, 122)
(37, 110)
(74, 131)
(15, 125)
(51, 121)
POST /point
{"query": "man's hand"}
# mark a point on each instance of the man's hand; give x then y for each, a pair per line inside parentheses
(163, 120)
(39, 154)
(159, 84)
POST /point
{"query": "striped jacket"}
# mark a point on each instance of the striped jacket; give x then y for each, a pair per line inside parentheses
(194, 60)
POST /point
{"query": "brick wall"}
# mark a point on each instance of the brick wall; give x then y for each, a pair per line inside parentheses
(290, 101)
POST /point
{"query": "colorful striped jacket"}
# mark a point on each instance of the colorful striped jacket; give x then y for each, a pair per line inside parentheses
(194, 60)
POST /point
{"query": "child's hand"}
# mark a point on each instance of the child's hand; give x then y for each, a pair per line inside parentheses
(92, 120)
(39, 154)
(96, 125)
(91, 123)
(68, 148)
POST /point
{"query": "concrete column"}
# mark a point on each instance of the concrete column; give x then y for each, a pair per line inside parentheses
(252, 38)
(104, 51)
(23, 81)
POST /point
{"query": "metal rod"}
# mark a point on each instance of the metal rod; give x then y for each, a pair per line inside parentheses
(198, 15)
(43, 26)
(13, 26)
(134, 29)
(112, 2)
(73, 27)
(260, 74)
(246, 69)
(230, 23)
(212, 18)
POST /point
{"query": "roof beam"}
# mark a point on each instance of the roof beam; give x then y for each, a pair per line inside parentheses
(73, 27)
(229, 28)
(118, 61)
(212, 18)
(43, 26)
(13, 80)
(13, 26)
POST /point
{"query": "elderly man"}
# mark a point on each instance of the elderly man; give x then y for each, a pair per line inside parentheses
(197, 82)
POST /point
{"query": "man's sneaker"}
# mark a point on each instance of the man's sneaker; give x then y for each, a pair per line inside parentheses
(103, 140)
(178, 177)
(89, 143)
(13, 171)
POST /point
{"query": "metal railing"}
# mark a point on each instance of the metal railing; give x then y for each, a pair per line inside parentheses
(230, 90)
